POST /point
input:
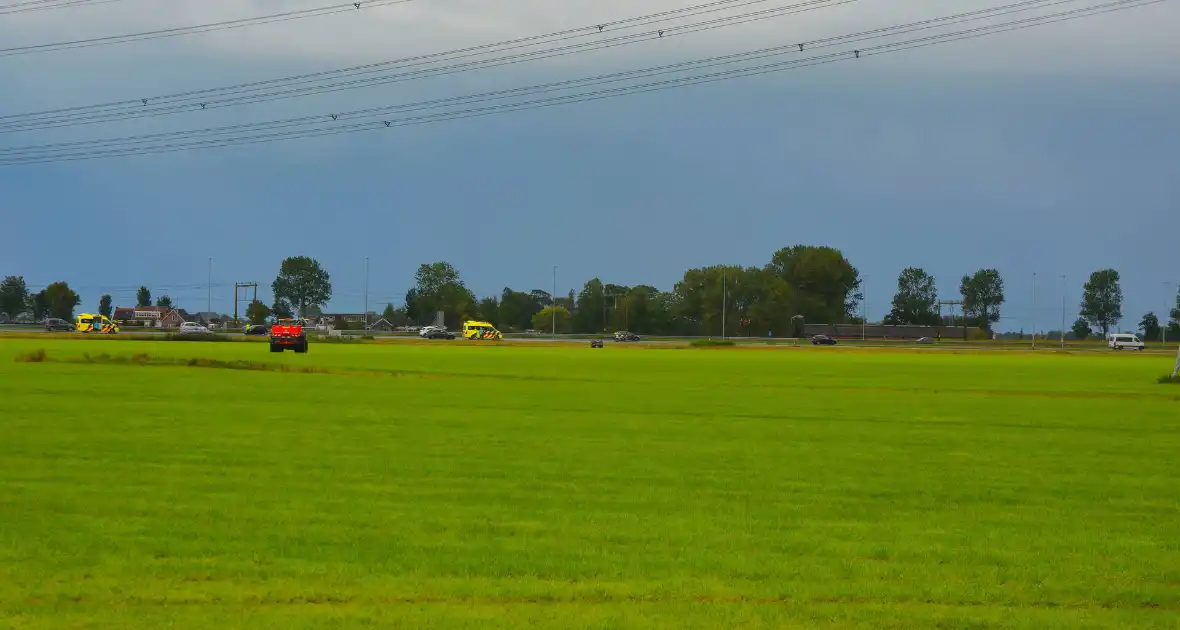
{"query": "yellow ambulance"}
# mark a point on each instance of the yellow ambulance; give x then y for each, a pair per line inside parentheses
(91, 323)
(480, 330)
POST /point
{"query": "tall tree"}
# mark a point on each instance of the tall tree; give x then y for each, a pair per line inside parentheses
(488, 310)
(983, 294)
(14, 295)
(164, 301)
(38, 305)
(591, 312)
(438, 287)
(1174, 318)
(60, 301)
(544, 319)
(302, 282)
(143, 297)
(1081, 329)
(257, 312)
(825, 287)
(282, 309)
(1150, 325)
(916, 301)
(517, 309)
(105, 307)
(389, 314)
(1102, 300)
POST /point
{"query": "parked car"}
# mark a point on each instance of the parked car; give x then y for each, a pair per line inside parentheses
(822, 340)
(54, 323)
(426, 330)
(624, 335)
(193, 328)
(256, 329)
(439, 333)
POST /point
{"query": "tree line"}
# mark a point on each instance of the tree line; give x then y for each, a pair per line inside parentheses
(797, 285)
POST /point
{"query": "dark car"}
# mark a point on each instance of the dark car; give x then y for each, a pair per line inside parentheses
(257, 329)
(595, 343)
(822, 340)
(57, 324)
(623, 335)
(438, 334)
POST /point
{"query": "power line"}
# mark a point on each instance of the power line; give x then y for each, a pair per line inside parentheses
(48, 5)
(548, 87)
(216, 96)
(594, 95)
(67, 121)
(199, 28)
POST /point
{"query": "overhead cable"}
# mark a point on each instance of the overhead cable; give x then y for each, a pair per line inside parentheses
(219, 97)
(131, 148)
(198, 28)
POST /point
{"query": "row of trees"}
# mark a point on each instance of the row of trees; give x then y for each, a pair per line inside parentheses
(982, 294)
(799, 284)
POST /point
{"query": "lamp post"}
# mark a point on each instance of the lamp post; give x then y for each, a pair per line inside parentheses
(553, 302)
(366, 292)
(1063, 310)
(209, 288)
(1034, 311)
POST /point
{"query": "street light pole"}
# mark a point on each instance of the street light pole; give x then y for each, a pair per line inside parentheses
(209, 289)
(553, 302)
(724, 295)
(1063, 310)
(1034, 312)
(366, 292)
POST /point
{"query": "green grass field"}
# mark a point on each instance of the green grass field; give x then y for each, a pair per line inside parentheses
(464, 485)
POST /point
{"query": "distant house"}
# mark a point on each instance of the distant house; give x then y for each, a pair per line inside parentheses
(208, 317)
(151, 316)
(347, 320)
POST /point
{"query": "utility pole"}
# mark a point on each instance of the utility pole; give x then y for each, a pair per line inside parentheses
(724, 296)
(553, 302)
(209, 289)
(1034, 310)
(243, 285)
(366, 292)
(1063, 311)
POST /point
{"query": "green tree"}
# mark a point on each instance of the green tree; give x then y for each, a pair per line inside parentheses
(916, 301)
(591, 314)
(143, 297)
(983, 294)
(1081, 329)
(14, 295)
(60, 301)
(164, 301)
(517, 309)
(544, 319)
(257, 312)
(105, 307)
(438, 287)
(1102, 300)
(302, 282)
(282, 309)
(488, 310)
(38, 305)
(1150, 325)
(1174, 320)
(825, 287)
(389, 314)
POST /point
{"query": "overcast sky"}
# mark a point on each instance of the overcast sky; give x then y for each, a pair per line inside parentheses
(1047, 150)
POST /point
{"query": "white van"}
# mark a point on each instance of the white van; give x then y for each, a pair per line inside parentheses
(1118, 341)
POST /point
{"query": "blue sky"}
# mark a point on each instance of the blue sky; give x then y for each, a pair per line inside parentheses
(1029, 152)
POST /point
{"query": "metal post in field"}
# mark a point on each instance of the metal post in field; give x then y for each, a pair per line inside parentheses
(1034, 311)
(1063, 310)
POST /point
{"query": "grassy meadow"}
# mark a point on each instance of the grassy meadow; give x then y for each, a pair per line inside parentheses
(468, 485)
